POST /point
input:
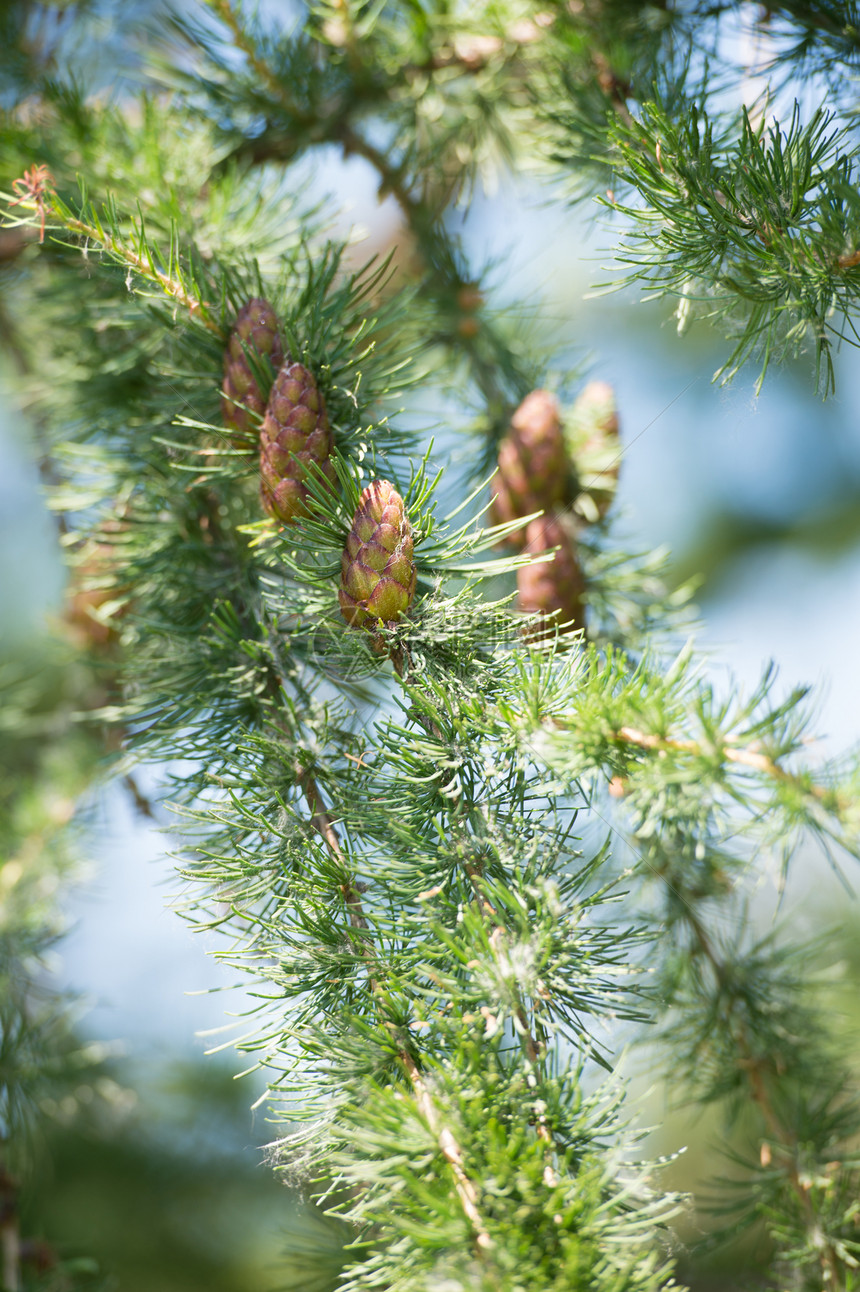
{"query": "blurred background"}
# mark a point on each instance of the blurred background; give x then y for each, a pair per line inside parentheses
(158, 1173)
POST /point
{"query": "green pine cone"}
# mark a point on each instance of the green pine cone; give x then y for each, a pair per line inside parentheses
(553, 589)
(377, 579)
(256, 328)
(533, 472)
(295, 433)
(592, 435)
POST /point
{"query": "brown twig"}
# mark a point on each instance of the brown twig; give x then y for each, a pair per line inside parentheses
(13, 242)
(392, 179)
(450, 1150)
(616, 90)
(142, 804)
(744, 756)
(325, 827)
(242, 40)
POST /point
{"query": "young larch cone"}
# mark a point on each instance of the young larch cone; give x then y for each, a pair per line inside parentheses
(295, 433)
(595, 449)
(255, 328)
(377, 570)
(533, 472)
(554, 588)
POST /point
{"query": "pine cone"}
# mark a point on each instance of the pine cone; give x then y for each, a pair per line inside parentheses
(595, 448)
(295, 432)
(377, 579)
(533, 465)
(553, 588)
(256, 328)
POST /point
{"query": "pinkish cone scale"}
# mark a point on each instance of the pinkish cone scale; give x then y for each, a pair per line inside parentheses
(555, 588)
(256, 327)
(294, 434)
(533, 472)
(377, 567)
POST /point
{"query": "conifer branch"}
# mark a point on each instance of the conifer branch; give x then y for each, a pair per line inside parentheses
(338, 127)
(453, 1140)
(745, 756)
(392, 179)
(451, 1151)
(324, 824)
(261, 67)
(474, 337)
(143, 265)
(403, 668)
(754, 1069)
(808, 16)
(140, 261)
(448, 1146)
(618, 699)
(225, 11)
(762, 226)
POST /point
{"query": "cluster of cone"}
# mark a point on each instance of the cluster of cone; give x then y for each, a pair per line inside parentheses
(377, 568)
(295, 431)
(568, 473)
(570, 478)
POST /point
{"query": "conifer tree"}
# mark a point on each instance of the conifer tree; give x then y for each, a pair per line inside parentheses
(451, 780)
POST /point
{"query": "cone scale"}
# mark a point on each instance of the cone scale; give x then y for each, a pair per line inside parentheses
(553, 589)
(595, 448)
(294, 434)
(378, 574)
(256, 329)
(533, 465)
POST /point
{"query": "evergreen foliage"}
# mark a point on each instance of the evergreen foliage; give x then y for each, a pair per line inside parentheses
(46, 761)
(452, 856)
